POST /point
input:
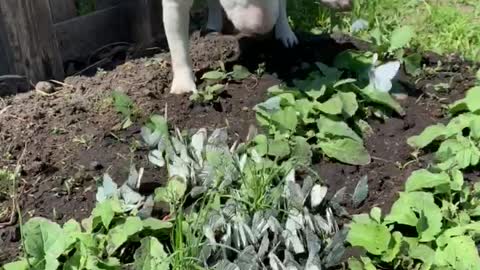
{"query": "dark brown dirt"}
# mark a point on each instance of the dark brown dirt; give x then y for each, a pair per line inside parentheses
(65, 140)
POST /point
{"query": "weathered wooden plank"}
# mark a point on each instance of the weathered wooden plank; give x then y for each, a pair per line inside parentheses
(102, 4)
(31, 37)
(6, 65)
(83, 35)
(141, 22)
(62, 10)
(146, 21)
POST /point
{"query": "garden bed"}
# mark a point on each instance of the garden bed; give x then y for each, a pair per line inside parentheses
(65, 139)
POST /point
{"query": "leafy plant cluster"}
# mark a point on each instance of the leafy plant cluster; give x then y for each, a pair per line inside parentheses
(253, 213)
(126, 108)
(433, 225)
(214, 83)
(229, 208)
(324, 113)
(457, 143)
(119, 233)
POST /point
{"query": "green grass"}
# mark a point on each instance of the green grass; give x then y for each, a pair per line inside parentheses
(442, 26)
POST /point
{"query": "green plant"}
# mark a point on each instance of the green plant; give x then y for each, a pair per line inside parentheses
(323, 113)
(118, 233)
(459, 140)
(433, 219)
(215, 83)
(125, 106)
(238, 199)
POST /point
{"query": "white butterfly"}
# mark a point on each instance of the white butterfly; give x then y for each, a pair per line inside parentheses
(381, 77)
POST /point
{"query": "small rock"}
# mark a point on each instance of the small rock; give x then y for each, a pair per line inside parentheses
(400, 96)
(45, 87)
(96, 166)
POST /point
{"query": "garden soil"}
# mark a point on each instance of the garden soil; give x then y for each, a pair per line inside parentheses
(66, 139)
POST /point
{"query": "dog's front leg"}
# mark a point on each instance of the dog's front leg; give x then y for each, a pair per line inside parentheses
(176, 20)
(283, 31)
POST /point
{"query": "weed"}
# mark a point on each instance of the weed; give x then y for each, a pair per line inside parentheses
(124, 106)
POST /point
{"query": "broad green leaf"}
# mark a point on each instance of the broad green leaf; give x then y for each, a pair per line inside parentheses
(367, 263)
(271, 105)
(470, 102)
(413, 64)
(151, 255)
(332, 106)
(119, 235)
(122, 103)
(394, 247)
(422, 179)
(346, 150)
(427, 136)
(458, 106)
(18, 265)
(305, 108)
(420, 252)
(472, 99)
(349, 103)
(44, 240)
(214, 75)
(355, 264)
(302, 151)
(315, 94)
(382, 98)
(354, 61)
(286, 119)
(261, 144)
(400, 37)
(445, 237)
(215, 89)
(412, 204)
(327, 126)
(106, 211)
(459, 123)
(156, 224)
(177, 187)
(331, 73)
(277, 148)
(240, 73)
(460, 254)
(475, 128)
(370, 235)
(376, 214)
(459, 152)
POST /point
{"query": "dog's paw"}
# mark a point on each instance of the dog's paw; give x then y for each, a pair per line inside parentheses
(183, 83)
(286, 36)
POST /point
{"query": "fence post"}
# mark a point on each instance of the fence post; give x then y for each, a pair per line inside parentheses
(146, 21)
(31, 40)
(62, 10)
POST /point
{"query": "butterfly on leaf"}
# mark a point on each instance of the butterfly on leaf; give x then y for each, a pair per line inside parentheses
(381, 76)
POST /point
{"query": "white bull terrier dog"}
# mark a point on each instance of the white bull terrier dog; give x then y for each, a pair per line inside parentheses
(247, 16)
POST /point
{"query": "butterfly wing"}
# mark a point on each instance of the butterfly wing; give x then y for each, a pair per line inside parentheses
(383, 75)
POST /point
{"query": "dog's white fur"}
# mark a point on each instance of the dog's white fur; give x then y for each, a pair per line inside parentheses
(247, 16)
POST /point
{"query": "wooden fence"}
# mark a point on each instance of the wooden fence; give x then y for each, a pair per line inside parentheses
(38, 36)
